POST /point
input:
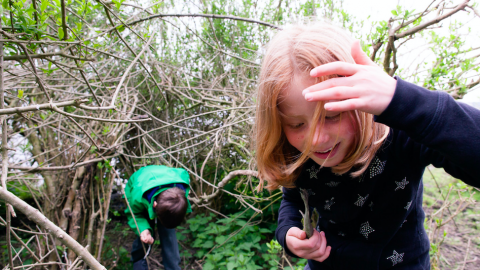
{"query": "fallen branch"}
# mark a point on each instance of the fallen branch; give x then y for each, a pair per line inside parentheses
(35, 216)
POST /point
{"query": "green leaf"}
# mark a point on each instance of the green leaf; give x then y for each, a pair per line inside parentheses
(194, 227)
(60, 33)
(44, 5)
(20, 94)
(208, 266)
(220, 239)
(208, 244)
(394, 12)
(231, 265)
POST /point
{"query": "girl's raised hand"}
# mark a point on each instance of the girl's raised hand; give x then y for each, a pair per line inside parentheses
(314, 248)
(365, 87)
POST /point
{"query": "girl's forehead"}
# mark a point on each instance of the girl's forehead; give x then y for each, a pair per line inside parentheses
(291, 101)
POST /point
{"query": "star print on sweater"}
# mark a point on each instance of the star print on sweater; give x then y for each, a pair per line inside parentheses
(408, 205)
(313, 172)
(436, 131)
(365, 229)
(401, 184)
(332, 184)
(376, 167)
(396, 258)
(361, 200)
(329, 203)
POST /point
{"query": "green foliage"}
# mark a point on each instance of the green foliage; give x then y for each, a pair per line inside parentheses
(230, 243)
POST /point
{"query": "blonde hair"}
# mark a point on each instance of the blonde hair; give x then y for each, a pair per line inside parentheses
(294, 52)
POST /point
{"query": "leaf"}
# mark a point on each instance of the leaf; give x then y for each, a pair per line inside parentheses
(208, 266)
(208, 244)
(20, 94)
(60, 33)
(194, 227)
(220, 239)
(231, 265)
(394, 12)
(241, 223)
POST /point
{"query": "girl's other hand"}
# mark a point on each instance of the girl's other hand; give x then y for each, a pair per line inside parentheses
(365, 87)
(314, 248)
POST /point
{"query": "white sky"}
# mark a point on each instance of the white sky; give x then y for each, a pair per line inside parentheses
(381, 10)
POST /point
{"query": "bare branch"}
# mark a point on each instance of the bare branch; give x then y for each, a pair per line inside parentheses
(45, 106)
(434, 21)
(57, 168)
(44, 56)
(211, 16)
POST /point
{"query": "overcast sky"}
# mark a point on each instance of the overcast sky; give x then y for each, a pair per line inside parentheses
(381, 10)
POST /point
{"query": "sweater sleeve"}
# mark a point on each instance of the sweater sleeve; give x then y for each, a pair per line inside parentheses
(448, 131)
(289, 216)
(140, 220)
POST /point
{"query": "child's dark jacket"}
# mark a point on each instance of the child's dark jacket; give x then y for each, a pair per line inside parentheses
(145, 179)
(376, 221)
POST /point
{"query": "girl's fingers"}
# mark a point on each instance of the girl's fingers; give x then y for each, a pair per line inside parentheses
(330, 83)
(359, 56)
(339, 68)
(325, 255)
(320, 249)
(335, 93)
(344, 105)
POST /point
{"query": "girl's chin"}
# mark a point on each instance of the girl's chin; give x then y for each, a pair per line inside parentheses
(327, 164)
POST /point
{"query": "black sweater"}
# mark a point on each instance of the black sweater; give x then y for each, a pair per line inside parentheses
(375, 221)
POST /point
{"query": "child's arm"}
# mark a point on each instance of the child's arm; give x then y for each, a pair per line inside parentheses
(365, 87)
(445, 132)
(140, 221)
(290, 235)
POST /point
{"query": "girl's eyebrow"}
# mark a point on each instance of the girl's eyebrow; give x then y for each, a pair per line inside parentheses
(288, 116)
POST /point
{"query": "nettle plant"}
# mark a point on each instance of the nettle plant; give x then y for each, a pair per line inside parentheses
(233, 243)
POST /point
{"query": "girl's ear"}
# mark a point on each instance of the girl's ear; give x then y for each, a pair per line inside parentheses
(154, 204)
(360, 57)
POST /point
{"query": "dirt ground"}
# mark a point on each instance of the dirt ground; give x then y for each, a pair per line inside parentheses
(455, 252)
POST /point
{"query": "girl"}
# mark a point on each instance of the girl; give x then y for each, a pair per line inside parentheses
(330, 121)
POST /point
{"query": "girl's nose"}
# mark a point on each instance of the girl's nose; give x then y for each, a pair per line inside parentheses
(321, 135)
